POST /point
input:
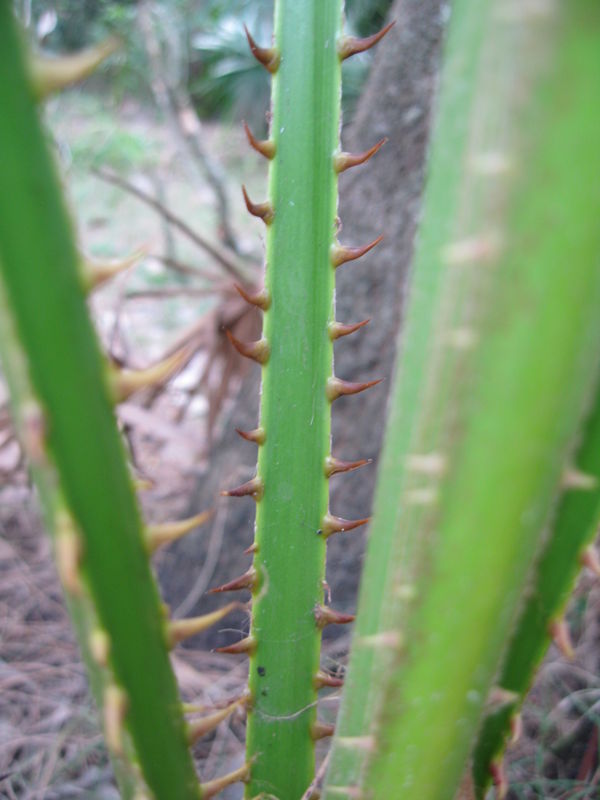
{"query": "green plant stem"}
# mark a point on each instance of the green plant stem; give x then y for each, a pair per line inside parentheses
(499, 357)
(40, 270)
(295, 412)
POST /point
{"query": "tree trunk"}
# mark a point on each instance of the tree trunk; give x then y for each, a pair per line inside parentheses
(381, 197)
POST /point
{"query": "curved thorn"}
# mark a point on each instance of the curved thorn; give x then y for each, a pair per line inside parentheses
(337, 387)
(244, 646)
(261, 299)
(249, 580)
(99, 270)
(266, 147)
(257, 351)
(320, 730)
(341, 255)
(180, 629)
(252, 488)
(200, 727)
(335, 465)
(332, 524)
(264, 210)
(212, 788)
(251, 550)
(114, 711)
(350, 45)
(166, 532)
(322, 679)
(126, 382)
(50, 75)
(327, 616)
(267, 56)
(559, 631)
(344, 161)
(339, 329)
(257, 436)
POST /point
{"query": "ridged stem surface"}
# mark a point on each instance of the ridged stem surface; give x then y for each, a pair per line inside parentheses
(295, 412)
(498, 360)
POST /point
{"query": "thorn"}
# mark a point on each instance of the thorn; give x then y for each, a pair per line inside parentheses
(68, 553)
(249, 580)
(334, 465)
(499, 697)
(34, 432)
(340, 254)
(126, 382)
(247, 645)
(331, 525)
(327, 616)
(574, 479)
(99, 270)
(267, 56)
(591, 560)
(337, 387)
(257, 351)
(261, 299)
(166, 532)
(115, 709)
(257, 436)
(200, 727)
(559, 631)
(266, 147)
(212, 788)
(321, 730)
(251, 550)
(367, 744)
(499, 779)
(253, 488)
(50, 75)
(264, 210)
(343, 161)
(99, 644)
(180, 629)
(322, 679)
(339, 329)
(350, 45)
(516, 728)
(433, 464)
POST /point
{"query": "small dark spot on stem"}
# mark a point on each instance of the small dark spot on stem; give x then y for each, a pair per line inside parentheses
(262, 671)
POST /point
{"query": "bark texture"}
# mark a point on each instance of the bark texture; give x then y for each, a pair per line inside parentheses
(381, 197)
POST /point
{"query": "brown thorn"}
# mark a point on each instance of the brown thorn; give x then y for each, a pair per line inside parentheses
(331, 525)
(251, 550)
(267, 56)
(211, 788)
(252, 488)
(244, 646)
(200, 727)
(559, 631)
(339, 329)
(264, 210)
(327, 616)
(322, 679)
(166, 532)
(126, 382)
(320, 730)
(248, 580)
(341, 254)
(499, 779)
(180, 629)
(591, 560)
(516, 728)
(257, 351)
(51, 74)
(343, 161)
(257, 436)
(266, 147)
(261, 299)
(99, 270)
(337, 387)
(350, 45)
(333, 466)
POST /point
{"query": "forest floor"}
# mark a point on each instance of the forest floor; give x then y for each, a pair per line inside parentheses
(50, 742)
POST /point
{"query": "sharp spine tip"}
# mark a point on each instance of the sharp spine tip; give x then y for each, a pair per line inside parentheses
(249, 580)
(327, 616)
(99, 270)
(331, 525)
(167, 532)
(333, 466)
(266, 147)
(322, 679)
(344, 161)
(350, 45)
(341, 254)
(264, 210)
(50, 75)
(252, 488)
(339, 329)
(212, 788)
(267, 56)
(244, 646)
(251, 550)
(256, 351)
(257, 436)
(337, 387)
(321, 730)
(261, 299)
(126, 382)
(198, 728)
(559, 631)
(180, 629)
